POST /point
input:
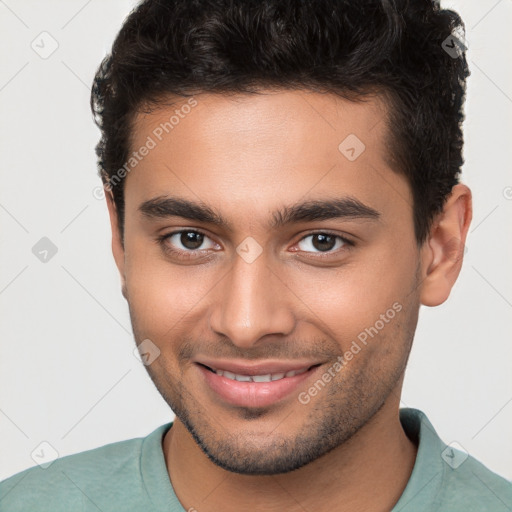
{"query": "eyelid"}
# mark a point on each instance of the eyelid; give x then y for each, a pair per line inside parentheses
(344, 237)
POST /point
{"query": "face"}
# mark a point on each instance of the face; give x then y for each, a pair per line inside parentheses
(270, 259)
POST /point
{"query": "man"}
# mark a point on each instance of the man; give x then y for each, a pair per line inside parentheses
(282, 179)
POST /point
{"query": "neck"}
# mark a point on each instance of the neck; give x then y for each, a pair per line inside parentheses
(368, 472)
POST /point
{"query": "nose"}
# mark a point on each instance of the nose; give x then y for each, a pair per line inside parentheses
(252, 301)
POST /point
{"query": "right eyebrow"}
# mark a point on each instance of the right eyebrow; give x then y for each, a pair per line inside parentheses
(165, 206)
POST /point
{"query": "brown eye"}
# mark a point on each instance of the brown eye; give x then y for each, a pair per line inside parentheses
(322, 242)
(186, 243)
(191, 239)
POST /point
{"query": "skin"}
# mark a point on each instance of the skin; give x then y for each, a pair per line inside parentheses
(246, 156)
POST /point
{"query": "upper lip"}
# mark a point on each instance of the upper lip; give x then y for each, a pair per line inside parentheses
(263, 368)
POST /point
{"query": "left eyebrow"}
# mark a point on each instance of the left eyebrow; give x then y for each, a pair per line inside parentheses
(310, 211)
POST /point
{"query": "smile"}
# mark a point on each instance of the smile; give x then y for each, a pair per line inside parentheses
(268, 377)
(254, 385)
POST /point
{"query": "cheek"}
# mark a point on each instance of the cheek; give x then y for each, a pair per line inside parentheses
(162, 297)
(364, 300)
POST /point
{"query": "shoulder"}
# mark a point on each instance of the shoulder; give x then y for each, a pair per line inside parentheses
(447, 478)
(472, 485)
(74, 482)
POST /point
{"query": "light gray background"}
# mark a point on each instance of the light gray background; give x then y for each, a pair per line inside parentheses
(67, 372)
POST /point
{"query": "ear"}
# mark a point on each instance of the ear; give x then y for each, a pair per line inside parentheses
(443, 251)
(117, 244)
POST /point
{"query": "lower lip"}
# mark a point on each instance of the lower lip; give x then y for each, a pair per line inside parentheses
(253, 394)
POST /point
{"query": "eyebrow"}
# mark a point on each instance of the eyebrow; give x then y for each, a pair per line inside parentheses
(348, 207)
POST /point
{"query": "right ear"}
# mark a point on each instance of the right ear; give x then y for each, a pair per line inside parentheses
(117, 244)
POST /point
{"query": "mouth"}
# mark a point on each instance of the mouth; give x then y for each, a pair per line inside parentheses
(267, 377)
(255, 386)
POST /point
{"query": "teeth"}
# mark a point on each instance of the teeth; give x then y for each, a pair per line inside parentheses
(259, 378)
(298, 372)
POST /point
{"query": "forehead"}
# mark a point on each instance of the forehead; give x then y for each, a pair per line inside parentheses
(278, 118)
(258, 150)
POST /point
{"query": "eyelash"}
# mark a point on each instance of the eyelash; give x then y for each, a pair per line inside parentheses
(192, 254)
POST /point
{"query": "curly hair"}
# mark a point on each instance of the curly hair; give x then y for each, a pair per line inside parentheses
(393, 48)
